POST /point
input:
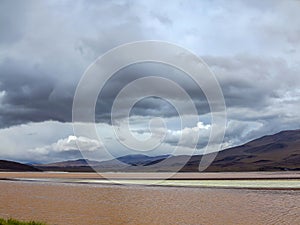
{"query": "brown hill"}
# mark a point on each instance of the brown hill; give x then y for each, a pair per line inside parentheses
(11, 166)
(280, 151)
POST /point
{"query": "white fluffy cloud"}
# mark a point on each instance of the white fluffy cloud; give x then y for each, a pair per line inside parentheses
(69, 144)
(186, 137)
(42, 142)
(189, 135)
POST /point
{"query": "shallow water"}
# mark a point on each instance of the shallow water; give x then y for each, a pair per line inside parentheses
(80, 204)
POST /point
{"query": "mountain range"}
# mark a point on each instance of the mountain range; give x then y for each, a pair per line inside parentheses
(277, 152)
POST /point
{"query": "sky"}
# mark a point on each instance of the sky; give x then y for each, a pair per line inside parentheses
(252, 47)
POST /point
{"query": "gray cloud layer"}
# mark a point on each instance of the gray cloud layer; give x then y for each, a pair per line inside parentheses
(251, 46)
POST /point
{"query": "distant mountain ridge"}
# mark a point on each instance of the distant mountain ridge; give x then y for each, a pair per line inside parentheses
(275, 152)
(71, 163)
(140, 159)
(118, 163)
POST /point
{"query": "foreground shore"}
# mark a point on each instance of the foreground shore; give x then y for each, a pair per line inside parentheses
(68, 204)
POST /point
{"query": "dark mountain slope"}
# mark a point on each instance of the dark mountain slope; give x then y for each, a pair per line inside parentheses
(280, 151)
(14, 166)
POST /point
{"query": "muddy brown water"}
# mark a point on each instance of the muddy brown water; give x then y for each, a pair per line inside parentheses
(80, 204)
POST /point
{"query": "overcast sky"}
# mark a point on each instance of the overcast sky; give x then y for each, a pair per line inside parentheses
(253, 47)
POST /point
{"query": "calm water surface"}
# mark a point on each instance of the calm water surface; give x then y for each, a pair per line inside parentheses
(59, 203)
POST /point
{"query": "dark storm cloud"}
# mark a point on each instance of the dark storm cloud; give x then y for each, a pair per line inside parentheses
(151, 106)
(30, 96)
(253, 81)
(33, 96)
(261, 94)
(45, 48)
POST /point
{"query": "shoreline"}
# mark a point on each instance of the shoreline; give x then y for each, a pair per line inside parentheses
(158, 176)
(207, 184)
